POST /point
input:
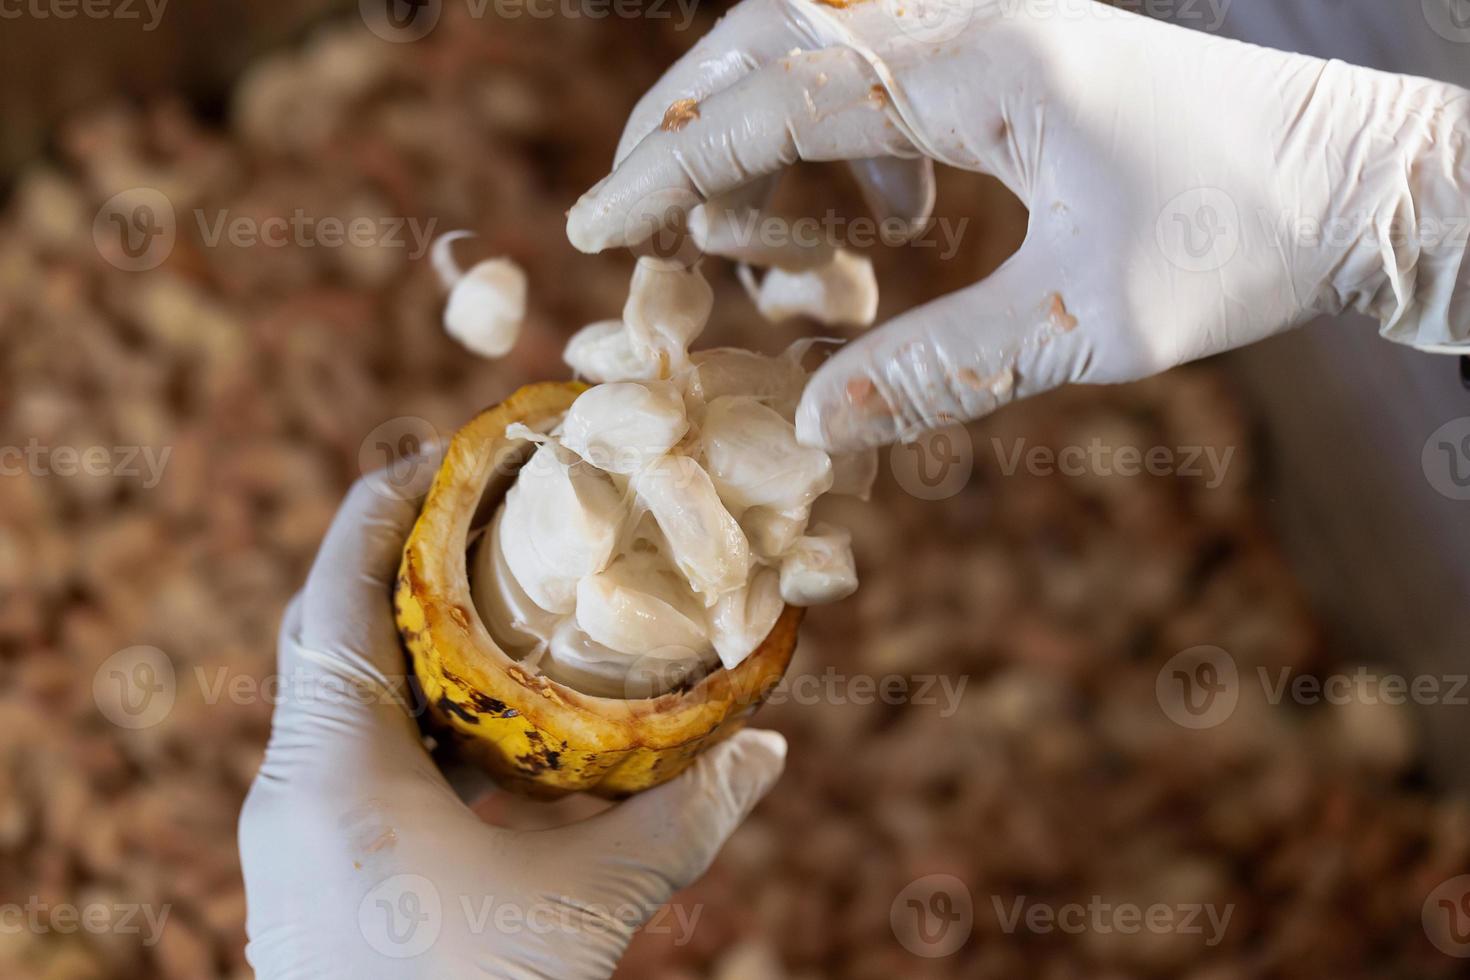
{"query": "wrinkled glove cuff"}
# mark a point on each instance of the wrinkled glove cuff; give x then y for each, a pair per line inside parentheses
(1409, 199)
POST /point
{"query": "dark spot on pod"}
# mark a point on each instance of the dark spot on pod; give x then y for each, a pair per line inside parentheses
(539, 759)
(453, 708)
(494, 707)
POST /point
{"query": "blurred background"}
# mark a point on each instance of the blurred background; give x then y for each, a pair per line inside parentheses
(1099, 707)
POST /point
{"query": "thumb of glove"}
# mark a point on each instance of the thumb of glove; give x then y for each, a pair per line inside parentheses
(675, 830)
(954, 359)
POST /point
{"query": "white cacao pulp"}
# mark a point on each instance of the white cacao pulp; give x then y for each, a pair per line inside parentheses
(487, 304)
(659, 528)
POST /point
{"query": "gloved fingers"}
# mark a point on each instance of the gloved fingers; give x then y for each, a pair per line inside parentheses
(897, 188)
(952, 360)
(341, 717)
(815, 105)
(348, 595)
(750, 35)
(329, 725)
(675, 830)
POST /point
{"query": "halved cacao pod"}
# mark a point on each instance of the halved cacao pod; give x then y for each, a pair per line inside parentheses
(535, 735)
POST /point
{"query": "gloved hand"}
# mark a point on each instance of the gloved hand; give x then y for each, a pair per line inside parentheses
(361, 861)
(1188, 194)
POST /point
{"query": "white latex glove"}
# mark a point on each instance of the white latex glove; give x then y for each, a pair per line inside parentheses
(1188, 194)
(361, 861)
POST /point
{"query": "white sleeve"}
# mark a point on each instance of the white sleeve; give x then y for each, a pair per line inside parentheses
(1425, 38)
(1367, 518)
(1429, 38)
